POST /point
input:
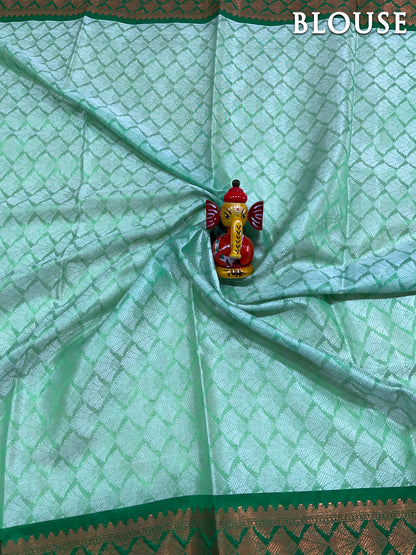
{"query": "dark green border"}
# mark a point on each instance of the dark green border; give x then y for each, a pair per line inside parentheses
(202, 502)
(133, 21)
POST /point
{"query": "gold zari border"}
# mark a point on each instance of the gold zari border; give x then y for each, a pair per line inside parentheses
(343, 529)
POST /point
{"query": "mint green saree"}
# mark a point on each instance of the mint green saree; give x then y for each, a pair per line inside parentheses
(147, 406)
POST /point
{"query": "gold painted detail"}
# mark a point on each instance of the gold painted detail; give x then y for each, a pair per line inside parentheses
(234, 273)
(236, 238)
(365, 528)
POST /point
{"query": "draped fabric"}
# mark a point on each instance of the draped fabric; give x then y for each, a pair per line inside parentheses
(132, 378)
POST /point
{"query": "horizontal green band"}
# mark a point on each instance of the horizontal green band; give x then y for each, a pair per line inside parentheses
(259, 14)
(209, 502)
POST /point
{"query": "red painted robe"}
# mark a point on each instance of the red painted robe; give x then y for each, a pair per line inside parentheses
(221, 249)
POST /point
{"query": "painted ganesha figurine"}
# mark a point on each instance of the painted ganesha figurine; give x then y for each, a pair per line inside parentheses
(233, 251)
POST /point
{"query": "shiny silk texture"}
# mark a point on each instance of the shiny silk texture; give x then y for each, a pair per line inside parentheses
(129, 372)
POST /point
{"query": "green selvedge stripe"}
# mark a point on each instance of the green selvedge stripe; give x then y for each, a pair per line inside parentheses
(201, 502)
(139, 21)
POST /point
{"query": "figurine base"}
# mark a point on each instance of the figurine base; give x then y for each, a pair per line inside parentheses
(234, 273)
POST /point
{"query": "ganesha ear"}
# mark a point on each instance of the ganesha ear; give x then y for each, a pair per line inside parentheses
(213, 214)
(255, 215)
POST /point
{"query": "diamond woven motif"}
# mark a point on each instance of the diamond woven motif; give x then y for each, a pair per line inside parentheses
(129, 373)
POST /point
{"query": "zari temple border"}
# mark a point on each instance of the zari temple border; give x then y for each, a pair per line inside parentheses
(203, 524)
